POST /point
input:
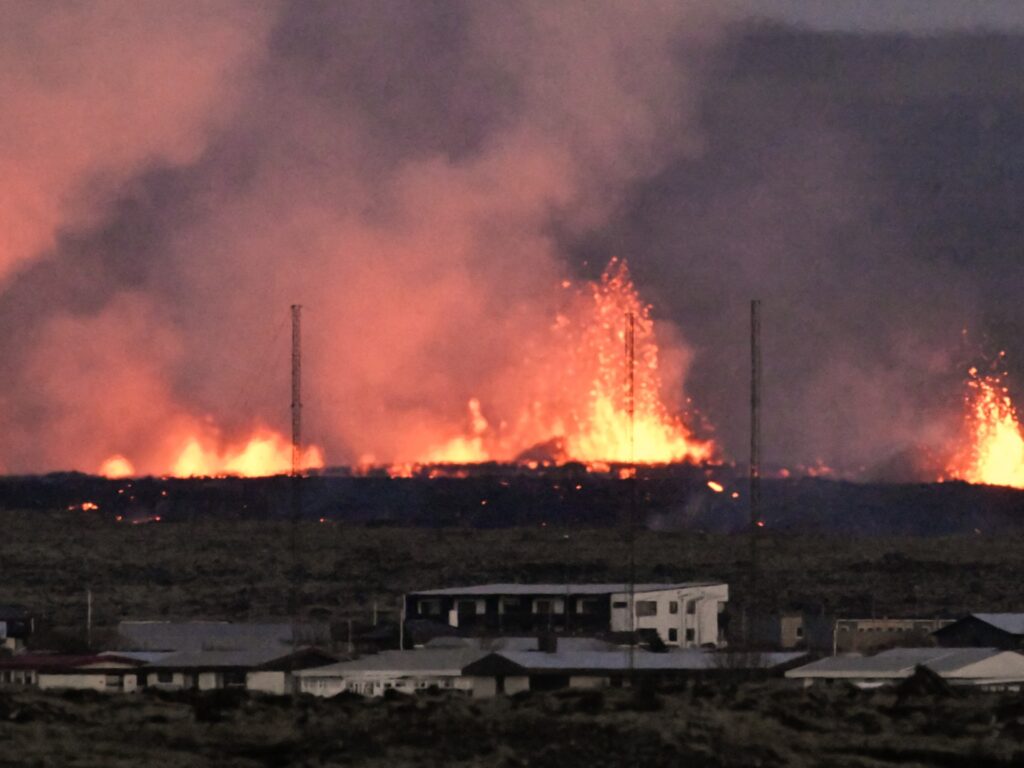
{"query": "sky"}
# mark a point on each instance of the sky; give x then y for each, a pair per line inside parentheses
(916, 16)
(437, 183)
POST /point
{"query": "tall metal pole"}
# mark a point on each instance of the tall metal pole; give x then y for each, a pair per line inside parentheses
(296, 475)
(755, 457)
(630, 338)
(296, 389)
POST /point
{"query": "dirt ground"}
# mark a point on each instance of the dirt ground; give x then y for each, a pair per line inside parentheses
(696, 724)
(244, 569)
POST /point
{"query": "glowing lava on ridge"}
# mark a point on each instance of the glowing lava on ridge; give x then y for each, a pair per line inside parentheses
(994, 450)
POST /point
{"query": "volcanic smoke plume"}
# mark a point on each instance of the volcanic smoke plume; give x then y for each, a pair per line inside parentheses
(177, 174)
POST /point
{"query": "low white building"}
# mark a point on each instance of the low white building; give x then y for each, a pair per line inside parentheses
(984, 667)
(402, 671)
(103, 673)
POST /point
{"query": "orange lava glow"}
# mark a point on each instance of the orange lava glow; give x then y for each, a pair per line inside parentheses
(116, 467)
(716, 487)
(580, 409)
(994, 447)
(266, 453)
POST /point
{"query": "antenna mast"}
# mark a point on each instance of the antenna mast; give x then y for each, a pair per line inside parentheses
(296, 389)
(755, 453)
(296, 475)
(630, 337)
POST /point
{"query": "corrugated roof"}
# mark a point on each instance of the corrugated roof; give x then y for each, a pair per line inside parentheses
(1008, 622)
(45, 661)
(196, 636)
(483, 590)
(898, 662)
(251, 657)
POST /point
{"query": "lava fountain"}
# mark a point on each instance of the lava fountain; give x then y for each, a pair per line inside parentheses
(994, 451)
(578, 408)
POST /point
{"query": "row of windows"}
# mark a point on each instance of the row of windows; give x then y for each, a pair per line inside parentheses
(650, 607)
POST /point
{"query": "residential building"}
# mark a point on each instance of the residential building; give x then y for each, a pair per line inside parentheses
(103, 673)
(681, 614)
(402, 671)
(994, 630)
(988, 668)
(509, 672)
(266, 670)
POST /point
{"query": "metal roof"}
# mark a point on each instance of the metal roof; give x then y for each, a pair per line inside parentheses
(1013, 623)
(447, 661)
(619, 661)
(519, 643)
(901, 662)
(196, 636)
(483, 590)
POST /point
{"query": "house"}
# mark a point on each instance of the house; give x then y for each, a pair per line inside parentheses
(992, 630)
(264, 670)
(683, 614)
(402, 671)
(47, 671)
(16, 624)
(511, 672)
(866, 635)
(988, 668)
(791, 629)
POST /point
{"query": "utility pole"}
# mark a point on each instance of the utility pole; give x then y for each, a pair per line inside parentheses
(755, 461)
(630, 338)
(88, 617)
(296, 475)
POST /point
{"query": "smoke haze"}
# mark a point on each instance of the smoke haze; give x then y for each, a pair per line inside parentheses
(423, 176)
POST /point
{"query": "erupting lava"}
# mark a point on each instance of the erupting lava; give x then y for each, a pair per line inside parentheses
(580, 392)
(995, 451)
(265, 453)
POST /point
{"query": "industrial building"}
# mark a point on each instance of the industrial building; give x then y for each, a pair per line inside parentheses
(684, 614)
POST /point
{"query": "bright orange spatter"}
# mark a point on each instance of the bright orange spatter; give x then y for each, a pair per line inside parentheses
(994, 451)
(264, 454)
(580, 411)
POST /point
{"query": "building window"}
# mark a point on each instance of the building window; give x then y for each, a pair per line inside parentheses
(691, 607)
(673, 635)
(467, 607)
(590, 607)
(689, 635)
(165, 677)
(673, 607)
(543, 606)
(799, 631)
(430, 607)
(620, 604)
(647, 608)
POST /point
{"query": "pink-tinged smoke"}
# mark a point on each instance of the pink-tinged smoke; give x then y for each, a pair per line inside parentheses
(408, 171)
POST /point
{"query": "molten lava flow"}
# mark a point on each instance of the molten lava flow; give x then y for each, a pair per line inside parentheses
(197, 454)
(116, 467)
(265, 453)
(995, 447)
(580, 390)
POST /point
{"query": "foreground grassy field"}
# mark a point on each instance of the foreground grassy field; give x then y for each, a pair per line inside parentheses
(242, 569)
(746, 724)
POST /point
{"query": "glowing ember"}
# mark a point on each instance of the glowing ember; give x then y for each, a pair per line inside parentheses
(716, 487)
(579, 397)
(85, 506)
(266, 453)
(116, 467)
(994, 454)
